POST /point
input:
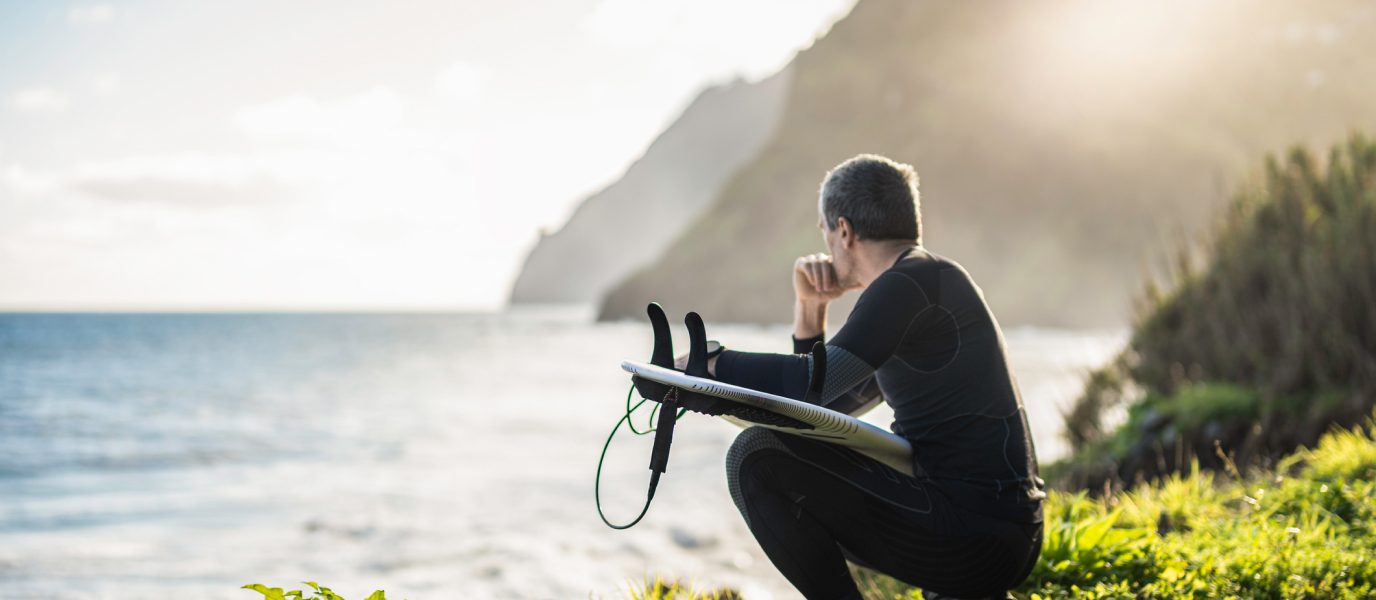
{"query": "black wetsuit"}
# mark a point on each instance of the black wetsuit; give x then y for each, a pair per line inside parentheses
(968, 524)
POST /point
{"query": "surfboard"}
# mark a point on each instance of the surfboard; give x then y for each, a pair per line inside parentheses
(751, 408)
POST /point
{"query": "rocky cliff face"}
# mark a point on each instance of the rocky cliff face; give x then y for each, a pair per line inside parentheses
(627, 225)
(1061, 144)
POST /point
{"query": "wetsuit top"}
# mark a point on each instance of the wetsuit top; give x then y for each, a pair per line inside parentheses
(922, 339)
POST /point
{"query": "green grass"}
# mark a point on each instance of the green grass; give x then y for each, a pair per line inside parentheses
(1214, 535)
(661, 589)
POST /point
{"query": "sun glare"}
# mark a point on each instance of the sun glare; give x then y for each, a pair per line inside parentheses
(1100, 55)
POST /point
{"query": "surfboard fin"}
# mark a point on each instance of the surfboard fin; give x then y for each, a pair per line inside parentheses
(819, 374)
(674, 399)
(697, 367)
(663, 355)
(697, 346)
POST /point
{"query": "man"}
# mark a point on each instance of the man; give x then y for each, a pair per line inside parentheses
(968, 524)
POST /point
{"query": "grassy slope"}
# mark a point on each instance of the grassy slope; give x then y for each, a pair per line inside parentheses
(1050, 177)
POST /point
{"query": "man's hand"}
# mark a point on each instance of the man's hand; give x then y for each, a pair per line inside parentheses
(815, 281)
(681, 363)
(815, 285)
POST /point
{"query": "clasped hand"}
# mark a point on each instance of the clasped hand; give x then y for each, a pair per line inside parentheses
(815, 280)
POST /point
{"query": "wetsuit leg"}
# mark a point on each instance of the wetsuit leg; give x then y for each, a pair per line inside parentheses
(809, 502)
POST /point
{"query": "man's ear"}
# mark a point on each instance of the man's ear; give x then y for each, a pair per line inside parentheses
(845, 231)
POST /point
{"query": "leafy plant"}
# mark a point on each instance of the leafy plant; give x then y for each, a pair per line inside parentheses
(1081, 545)
(320, 593)
(659, 589)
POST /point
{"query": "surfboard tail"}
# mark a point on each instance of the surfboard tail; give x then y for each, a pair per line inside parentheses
(663, 356)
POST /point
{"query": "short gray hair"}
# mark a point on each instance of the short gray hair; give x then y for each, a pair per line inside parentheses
(877, 195)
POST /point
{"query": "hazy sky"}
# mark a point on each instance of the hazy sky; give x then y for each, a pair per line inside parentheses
(335, 155)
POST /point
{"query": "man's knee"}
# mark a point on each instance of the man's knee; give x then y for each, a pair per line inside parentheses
(750, 441)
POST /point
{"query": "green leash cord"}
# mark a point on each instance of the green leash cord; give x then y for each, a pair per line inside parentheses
(654, 475)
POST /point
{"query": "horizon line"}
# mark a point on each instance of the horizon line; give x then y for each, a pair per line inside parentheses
(231, 309)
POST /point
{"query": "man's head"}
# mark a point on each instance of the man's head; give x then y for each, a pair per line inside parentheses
(868, 198)
(878, 196)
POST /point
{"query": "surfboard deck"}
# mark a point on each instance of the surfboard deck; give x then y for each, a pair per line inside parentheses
(758, 409)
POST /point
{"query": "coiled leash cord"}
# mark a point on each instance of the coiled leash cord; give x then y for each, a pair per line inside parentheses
(654, 474)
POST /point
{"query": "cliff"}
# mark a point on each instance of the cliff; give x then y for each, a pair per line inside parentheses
(1059, 143)
(627, 225)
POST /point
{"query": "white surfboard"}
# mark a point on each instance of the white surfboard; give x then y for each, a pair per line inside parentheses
(825, 425)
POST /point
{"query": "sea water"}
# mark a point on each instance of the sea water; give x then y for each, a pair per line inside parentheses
(433, 456)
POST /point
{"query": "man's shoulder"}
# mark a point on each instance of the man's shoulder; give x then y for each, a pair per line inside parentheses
(932, 272)
(920, 263)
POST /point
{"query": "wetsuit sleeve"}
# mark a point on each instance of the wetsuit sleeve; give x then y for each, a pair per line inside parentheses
(860, 399)
(871, 335)
(881, 319)
(850, 385)
(804, 345)
(784, 375)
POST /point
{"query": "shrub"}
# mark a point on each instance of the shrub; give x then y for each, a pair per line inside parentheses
(1261, 348)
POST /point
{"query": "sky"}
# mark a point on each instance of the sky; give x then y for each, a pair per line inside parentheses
(341, 155)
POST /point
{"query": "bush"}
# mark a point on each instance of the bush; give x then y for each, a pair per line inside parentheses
(1262, 348)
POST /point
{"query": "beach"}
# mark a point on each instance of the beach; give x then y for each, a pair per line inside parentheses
(430, 455)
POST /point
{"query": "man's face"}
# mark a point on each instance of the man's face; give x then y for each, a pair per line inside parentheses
(840, 258)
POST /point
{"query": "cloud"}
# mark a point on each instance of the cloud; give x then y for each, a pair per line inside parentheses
(40, 99)
(173, 192)
(22, 180)
(105, 83)
(90, 15)
(185, 181)
(364, 120)
(633, 23)
(462, 81)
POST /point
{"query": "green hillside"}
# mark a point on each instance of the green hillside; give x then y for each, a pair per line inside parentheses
(1060, 144)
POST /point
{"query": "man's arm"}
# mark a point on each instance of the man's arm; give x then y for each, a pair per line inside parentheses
(871, 335)
(857, 400)
(815, 285)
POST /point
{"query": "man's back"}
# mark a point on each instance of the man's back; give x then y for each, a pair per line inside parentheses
(967, 524)
(940, 362)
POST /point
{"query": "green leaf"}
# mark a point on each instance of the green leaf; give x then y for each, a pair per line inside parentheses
(1092, 535)
(378, 595)
(267, 592)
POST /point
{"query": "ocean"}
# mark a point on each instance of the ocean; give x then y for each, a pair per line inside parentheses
(435, 456)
